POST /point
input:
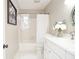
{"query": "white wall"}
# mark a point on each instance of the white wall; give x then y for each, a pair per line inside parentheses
(59, 11)
(11, 36)
(27, 35)
(26, 11)
(77, 30)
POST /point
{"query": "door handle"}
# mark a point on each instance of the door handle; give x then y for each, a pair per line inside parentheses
(5, 46)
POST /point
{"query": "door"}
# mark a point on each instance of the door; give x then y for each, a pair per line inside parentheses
(5, 45)
(42, 26)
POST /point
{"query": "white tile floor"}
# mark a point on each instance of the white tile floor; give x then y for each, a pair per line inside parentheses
(25, 53)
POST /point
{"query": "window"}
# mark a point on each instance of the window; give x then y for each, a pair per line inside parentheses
(25, 22)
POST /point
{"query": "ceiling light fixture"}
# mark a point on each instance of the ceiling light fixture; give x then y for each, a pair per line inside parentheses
(37, 1)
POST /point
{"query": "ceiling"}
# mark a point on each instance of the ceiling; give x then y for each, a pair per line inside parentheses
(31, 5)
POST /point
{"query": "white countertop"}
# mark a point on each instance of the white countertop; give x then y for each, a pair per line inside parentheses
(64, 42)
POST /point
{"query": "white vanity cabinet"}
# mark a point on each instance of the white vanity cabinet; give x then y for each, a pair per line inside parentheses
(54, 51)
(49, 54)
(69, 56)
(51, 51)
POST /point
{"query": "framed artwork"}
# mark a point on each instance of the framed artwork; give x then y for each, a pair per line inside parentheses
(11, 13)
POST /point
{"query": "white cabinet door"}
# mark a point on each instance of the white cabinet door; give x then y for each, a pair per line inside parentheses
(49, 54)
(58, 50)
(52, 55)
(69, 56)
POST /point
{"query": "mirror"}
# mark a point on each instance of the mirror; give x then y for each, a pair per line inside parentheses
(73, 16)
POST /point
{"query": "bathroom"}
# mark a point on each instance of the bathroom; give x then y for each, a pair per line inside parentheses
(40, 29)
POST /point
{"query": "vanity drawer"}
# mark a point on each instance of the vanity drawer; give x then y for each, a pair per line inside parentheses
(58, 50)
